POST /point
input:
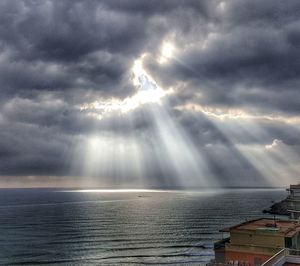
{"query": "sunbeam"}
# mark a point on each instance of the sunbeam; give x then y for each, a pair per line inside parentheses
(272, 164)
(171, 154)
(132, 131)
(177, 151)
(124, 161)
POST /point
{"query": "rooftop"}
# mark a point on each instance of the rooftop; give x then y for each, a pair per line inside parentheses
(288, 228)
(295, 186)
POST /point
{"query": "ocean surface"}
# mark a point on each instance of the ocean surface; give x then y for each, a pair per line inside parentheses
(55, 226)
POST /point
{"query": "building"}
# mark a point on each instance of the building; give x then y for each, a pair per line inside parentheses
(254, 242)
(293, 201)
(285, 257)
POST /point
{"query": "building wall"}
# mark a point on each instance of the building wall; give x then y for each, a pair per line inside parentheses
(294, 191)
(257, 239)
(220, 255)
(295, 215)
(294, 204)
(296, 241)
(242, 257)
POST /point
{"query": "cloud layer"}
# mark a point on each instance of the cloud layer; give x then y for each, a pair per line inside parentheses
(231, 84)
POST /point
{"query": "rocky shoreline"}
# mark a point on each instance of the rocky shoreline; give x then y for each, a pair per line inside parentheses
(279, 208)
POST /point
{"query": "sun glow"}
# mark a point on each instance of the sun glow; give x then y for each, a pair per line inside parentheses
(167, 52)
(168, 152)
(136, 159)
(145, 94)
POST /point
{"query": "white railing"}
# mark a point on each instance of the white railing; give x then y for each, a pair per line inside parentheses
(284, 255)
(276, 258)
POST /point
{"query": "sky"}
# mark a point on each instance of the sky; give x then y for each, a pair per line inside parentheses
(133, 93)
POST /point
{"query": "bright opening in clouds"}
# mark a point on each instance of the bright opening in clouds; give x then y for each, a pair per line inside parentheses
(147, 92)
(167, 52)
(135, 94)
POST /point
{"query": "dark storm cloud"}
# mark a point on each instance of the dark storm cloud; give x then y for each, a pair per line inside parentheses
(57, 55)
(67, 45)
(249, 58)
(30, 149)
(78, 44)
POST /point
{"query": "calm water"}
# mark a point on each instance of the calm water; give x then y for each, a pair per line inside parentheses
(72, 228)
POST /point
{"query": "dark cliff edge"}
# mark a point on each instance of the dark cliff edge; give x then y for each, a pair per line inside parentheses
(279, 208)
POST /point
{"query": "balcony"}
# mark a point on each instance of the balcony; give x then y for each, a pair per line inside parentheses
(284, 257)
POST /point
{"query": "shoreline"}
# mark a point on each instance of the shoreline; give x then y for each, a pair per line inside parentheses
(279, 208)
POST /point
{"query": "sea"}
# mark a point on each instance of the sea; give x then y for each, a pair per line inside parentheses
(122, 227)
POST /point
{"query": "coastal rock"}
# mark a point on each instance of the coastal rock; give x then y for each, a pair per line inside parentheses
(279, 208)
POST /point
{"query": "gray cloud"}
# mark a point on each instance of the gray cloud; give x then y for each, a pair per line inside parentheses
(57, 56)
(248, 58)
